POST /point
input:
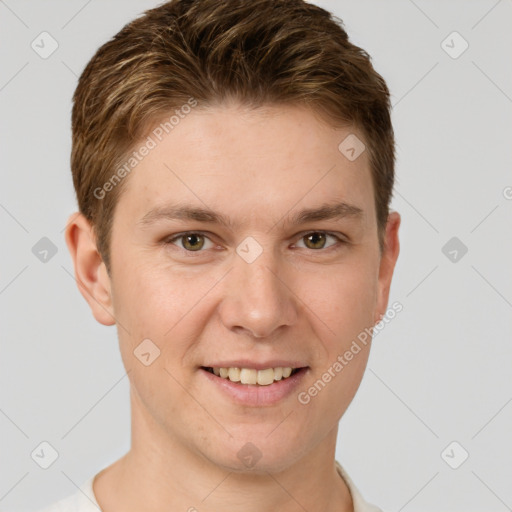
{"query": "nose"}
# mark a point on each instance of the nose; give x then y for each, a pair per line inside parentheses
(259, 297)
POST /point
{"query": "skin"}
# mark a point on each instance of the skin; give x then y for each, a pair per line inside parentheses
(299, 299)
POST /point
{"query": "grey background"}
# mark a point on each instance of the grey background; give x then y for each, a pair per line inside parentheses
(439, 372)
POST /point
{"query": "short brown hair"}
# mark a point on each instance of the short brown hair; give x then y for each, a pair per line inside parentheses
(259, 52)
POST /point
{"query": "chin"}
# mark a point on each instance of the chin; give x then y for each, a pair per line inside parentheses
(259, 456)
(260, 467)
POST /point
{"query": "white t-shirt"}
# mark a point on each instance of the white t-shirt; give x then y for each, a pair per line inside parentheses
(85, 501)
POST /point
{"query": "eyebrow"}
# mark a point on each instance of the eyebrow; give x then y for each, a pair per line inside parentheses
(333, 211)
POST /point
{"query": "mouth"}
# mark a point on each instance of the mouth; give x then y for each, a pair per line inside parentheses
(251, 376)
(251, 387)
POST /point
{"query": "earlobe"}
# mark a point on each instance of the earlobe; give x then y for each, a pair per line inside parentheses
(90, 273)
(387, 263)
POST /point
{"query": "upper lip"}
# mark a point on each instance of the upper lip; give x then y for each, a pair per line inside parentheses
(247, 363)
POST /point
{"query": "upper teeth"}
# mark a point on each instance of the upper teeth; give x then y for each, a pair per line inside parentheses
(251, 376)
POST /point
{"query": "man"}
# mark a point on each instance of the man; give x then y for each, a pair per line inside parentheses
(233, 163)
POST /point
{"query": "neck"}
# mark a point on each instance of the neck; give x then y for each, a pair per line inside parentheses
(159, 473)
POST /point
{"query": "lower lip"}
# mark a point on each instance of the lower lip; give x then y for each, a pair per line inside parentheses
(253, 394)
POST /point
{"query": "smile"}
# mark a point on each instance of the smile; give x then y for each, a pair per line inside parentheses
(263, 377)
(254, 387)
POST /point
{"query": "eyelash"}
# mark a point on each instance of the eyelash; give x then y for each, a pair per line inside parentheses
(341, 241)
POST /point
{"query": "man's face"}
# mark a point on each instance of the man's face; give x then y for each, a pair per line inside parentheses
(268, 290)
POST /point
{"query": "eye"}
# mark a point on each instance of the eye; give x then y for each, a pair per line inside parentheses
(192, 241)
(316, 240)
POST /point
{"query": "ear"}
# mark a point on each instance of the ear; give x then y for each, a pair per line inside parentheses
(90, 272)
(387, 263)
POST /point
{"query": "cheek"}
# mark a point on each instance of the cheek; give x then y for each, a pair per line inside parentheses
(152, 300)
(342, 316)
(344, 300)
(166, 307)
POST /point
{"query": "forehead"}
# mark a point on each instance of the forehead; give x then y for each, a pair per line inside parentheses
(249, 163)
